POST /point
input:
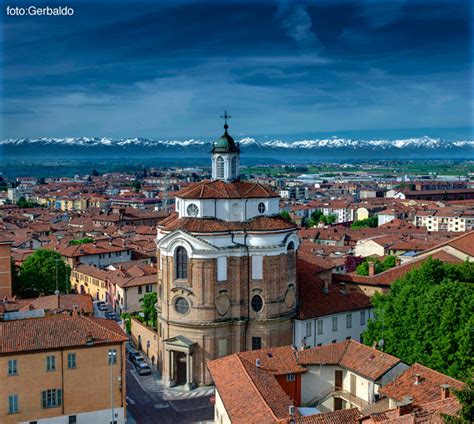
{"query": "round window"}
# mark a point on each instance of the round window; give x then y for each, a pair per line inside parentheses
(192, 210)
(261, 208)
(181, 305)
(257, 303)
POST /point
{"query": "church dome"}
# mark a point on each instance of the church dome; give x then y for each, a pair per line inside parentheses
(225, 144)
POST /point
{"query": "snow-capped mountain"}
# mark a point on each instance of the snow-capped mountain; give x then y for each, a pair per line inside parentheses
(325, 148)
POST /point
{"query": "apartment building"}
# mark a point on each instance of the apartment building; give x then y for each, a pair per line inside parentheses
(62, 370)
(445, 220)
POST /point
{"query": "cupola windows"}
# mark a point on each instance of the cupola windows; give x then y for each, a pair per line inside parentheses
(192, 210)
(220, 167)
(261, 208)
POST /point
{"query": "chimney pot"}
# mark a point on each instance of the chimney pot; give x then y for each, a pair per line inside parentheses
(445, 391)
(371, 269)
(417, 379)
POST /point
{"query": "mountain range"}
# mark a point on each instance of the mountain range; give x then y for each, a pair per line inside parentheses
(333, 148)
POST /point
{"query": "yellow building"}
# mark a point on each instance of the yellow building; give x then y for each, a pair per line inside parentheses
(62, 369)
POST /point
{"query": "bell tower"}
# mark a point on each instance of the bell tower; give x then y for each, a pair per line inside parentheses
(225, 156)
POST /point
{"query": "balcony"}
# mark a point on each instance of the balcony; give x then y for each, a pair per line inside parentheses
(350, 398)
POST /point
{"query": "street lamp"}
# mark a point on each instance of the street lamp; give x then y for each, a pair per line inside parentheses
(112, 357)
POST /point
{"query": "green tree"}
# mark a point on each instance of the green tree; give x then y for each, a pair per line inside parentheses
(25, 204)
(39, 274)
(387, 263)
(136, 186)
(371, 222)
(148, 306)
(81, 241)
(127, 319)
(427, 318)
(329, 219)
(285, 215)
(315, 218)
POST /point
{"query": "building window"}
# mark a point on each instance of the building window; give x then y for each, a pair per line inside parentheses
(334, 341)
(148, 288)
(320, 326)
(348, 337)
(72, 419)
(52, 398)
(222, 268)
(13, 404)
(290, 377)
(12, 367)
(334, 323)
(308, 329)
(112, 356)
(51, 363)
(257, 267)
(192, 210)
(256, 343)
(220, 167)
(71, 360)
(181, 261)
(362, 317)
(181, 305)
(261, 208)
(319, 344)
(234, 167)
(291, 246)
(257, 303)
(140, 289)
(349, 321)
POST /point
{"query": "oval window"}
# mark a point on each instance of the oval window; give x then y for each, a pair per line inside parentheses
(257, 303)
(261, 208)
(192, 210)
(181, 305)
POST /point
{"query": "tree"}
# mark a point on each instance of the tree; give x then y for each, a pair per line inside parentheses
(427, 318)
(81, 241)
(371, 222)
(387, 263)
(148, 306)
(25, 204)
(329, 219)
(39, 274)
(315, 218)
(285, 215)
(136, 186)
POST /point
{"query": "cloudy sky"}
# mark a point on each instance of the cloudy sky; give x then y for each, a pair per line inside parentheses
(168, 69)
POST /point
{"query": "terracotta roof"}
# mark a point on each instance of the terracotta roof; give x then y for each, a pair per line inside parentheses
(343, 416)
(219, 189)
(213, 225)
(463, 243)
(427, 390)
(315, 302)
(65, 301)
(56, 332)
(89, 249)
(250, 395)
(361, 359)
(277, 360)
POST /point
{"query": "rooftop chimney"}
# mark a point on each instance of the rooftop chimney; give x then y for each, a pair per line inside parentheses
(75, 310)
(405, 406)
(417, 379)
(371, 269)
(89, 339)
(398, 261)
(445, 391)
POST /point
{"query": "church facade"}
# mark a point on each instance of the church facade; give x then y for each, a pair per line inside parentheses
(226, 271)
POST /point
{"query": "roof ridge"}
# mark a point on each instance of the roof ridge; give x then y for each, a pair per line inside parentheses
(96, 322)
(240, 359)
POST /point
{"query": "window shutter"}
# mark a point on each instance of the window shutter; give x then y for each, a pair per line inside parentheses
(60, 397)
(45, 401)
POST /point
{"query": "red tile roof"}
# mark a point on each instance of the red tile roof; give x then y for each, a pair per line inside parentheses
(316, 302)
(213, 225)
(427, 390)
(221, 190)
(361, 359)
(277, 360)
(65, 301)
(343, 416)
(57, 332)
(250, 395)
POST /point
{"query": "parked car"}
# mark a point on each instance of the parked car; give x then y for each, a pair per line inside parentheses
(111, 315)
(133, 354)
(103, 306)
(143, 368)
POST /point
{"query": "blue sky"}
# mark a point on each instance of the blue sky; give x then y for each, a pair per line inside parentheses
(285, 69)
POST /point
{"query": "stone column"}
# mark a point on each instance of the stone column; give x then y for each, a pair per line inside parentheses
(171, 369)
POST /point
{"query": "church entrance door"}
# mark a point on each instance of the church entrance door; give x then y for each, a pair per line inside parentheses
(180, 368)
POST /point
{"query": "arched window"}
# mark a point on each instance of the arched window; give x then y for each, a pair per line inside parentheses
(220, 167)
(291, 246)
(261, 208)
(234, 167)
(181, 263)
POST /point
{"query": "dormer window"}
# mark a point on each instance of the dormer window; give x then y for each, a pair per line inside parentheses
(261, 208)
(192, 210)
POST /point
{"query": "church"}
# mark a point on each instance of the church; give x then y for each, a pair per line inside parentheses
(226, 271)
